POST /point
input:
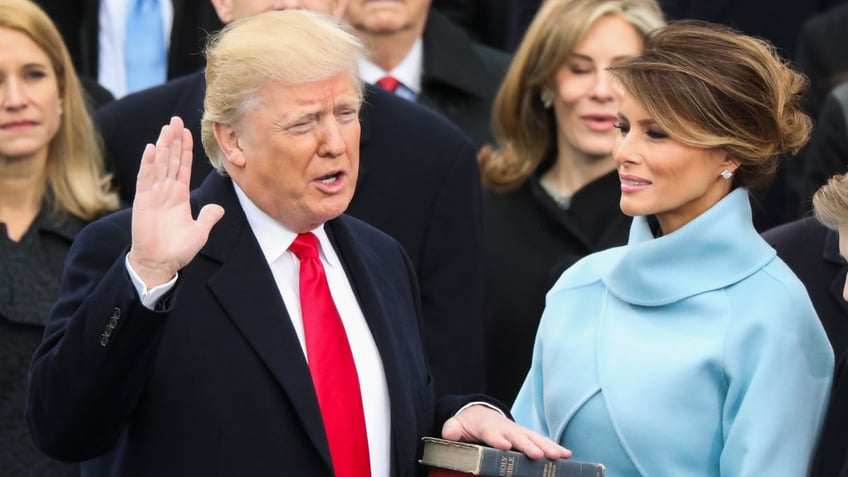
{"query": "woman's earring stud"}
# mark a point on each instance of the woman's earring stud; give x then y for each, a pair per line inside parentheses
(547, 97)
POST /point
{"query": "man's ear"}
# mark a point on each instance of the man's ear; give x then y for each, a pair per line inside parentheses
(224, 9)
(228, 141)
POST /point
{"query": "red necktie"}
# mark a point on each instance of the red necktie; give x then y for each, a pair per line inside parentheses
(388, 83)
(331, 365)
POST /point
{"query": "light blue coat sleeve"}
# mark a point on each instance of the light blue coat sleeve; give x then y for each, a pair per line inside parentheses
(778, 384)
(528, 408)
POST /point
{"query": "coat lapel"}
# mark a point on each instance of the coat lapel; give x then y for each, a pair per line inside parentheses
(357, 259)
(459, 66)
(255, 304)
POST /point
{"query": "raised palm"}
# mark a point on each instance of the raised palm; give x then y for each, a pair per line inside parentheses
(165, 236)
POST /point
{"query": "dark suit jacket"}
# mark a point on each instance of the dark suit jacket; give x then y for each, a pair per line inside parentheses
(131, 122)
(831, 456)
(418, 182)
(460, 77)
(77, 20)
(497, 23)
(827, 152)
(819, 53)
(214, 382)
(29, 285)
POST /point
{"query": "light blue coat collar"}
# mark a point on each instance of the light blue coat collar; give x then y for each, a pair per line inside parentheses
(716, 249)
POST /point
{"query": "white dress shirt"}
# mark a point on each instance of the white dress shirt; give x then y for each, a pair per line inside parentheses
(408, 72)
(112, 16)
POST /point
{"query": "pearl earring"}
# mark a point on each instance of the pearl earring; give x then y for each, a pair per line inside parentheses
(727, 174)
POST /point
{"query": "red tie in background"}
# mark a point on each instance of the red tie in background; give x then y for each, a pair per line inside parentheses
(331, 365)
(388, 83)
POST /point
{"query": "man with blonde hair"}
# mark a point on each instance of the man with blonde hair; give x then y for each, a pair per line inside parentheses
(418, 182)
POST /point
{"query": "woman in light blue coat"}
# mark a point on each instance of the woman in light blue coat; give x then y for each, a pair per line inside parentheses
(693, 350)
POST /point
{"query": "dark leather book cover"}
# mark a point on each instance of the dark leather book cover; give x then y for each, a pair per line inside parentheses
(456, 459)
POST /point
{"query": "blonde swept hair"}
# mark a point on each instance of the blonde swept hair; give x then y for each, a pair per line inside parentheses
(76, 181)
(830, 202)
(525, 131)
(288, 46)
(709, 86)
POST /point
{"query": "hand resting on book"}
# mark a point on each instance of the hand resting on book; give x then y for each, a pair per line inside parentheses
(482, 424)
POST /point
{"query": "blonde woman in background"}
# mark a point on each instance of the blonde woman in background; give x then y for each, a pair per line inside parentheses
(551, 189)
(52, 183)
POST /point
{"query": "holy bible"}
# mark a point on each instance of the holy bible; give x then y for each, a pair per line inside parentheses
(455, 459)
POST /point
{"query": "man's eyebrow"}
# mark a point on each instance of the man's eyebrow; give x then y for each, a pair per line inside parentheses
(348, 102)
(312, 112)
(303, 115)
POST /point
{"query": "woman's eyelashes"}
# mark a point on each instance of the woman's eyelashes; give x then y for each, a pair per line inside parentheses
(654, 133)
(651, 132)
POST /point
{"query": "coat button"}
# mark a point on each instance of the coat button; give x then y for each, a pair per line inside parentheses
(104, 340)
(116, 314)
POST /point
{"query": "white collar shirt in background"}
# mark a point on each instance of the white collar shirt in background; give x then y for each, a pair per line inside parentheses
(408, 72)
(111, 72)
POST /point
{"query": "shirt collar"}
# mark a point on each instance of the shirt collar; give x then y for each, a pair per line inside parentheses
(274, 238)
(408, 72)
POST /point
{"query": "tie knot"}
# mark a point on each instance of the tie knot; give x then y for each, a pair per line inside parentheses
(388, 83)
(305, 246)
